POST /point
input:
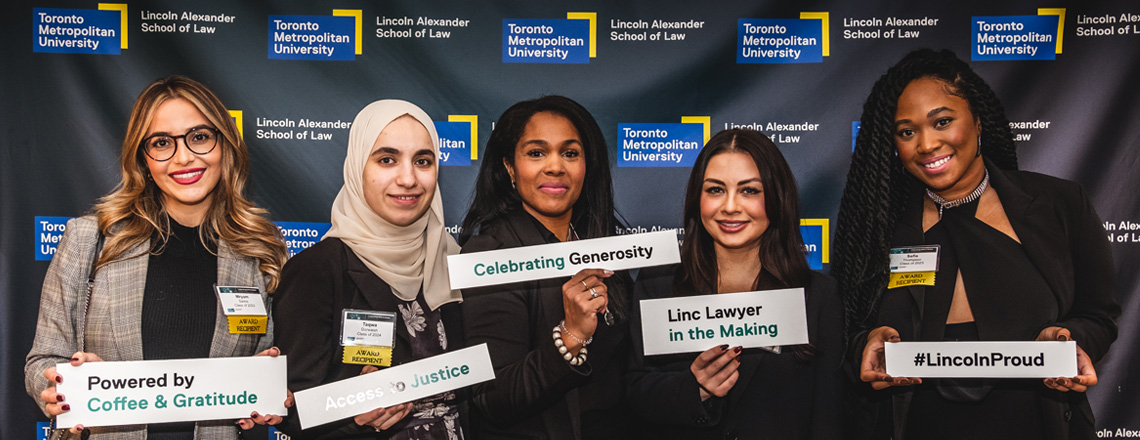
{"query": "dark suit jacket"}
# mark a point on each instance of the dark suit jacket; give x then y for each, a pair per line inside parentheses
(775, 397)
(535, 393)
(316, 285)
(1065, 240)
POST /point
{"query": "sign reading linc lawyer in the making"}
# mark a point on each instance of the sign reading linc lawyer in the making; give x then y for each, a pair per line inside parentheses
(1030, 359)
(76, 31)
(394, 385)
(659, 145)
(312, 37)
(454, 143)
(562, 259)
(749, 319)
(136, 392)
(779, 41)
(560, 41)
(1021, 37)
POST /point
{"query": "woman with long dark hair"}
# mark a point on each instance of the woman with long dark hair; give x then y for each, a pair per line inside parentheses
(545, 178)
(742, 234)
(1022, 257)
(177, 224)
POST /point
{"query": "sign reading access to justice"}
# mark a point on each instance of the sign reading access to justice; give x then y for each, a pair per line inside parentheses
(562, 259)
(181, 390)
(750, 319)
(394, 385)
(1031, 359)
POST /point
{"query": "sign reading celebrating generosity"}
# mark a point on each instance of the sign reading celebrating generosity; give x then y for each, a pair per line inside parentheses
(562, 259)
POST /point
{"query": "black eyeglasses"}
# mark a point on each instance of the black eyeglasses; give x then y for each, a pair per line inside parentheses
(161, 147)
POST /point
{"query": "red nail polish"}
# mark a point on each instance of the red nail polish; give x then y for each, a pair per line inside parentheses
(58, 379)
(59, 397)
(66, 407)
(738, 349)
(724, 347)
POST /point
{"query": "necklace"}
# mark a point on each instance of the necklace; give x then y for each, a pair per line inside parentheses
(973, 195)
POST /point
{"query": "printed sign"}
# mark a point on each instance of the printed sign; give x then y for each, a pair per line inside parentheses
(779, 41)
(395, 385)
(982, 359)
(1021, 37)
(454, 143)
(312, 37)
(49, 231)
(562, 259)
(659, 144)
(561, 41)
(300, 235)
(77, 31)
(135, 392)
(749, 319)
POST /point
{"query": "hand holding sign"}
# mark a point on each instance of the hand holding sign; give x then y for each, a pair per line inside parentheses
(583, 297)
(1086, 373)
(55, 404)
(266, 419)
(381, 419)
(873, 369)
(716, 370)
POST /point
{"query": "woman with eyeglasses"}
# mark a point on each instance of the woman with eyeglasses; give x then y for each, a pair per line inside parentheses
(176, 225)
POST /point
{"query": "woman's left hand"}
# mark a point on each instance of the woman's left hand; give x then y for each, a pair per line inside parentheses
(266, 419)
(1086, 373)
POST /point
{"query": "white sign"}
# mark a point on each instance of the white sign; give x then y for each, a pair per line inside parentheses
(982, 359)
(394, 385)
(136, 392)
(241, 301)
(563, 259)
(750, 319)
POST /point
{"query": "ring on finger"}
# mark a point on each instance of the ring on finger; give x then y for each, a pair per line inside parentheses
(593, 293)
(584, 285)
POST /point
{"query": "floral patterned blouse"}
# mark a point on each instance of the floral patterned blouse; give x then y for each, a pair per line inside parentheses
(433, 417)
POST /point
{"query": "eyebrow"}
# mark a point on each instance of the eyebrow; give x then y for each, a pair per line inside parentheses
(396, 151)
(929, 114)
(166, 133)
(742, 182)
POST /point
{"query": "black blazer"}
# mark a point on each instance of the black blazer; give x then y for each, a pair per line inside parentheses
(536, 393)
(775, 397)
(316, 285)
(1065, 240)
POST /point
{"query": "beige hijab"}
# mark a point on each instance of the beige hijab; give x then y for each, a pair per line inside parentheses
(403, 256)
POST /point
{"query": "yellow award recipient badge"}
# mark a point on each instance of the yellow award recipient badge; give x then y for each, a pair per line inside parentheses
(367, 337)
(914, 266)
(244, 309)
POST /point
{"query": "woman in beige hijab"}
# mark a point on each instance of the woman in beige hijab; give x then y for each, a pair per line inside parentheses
(384, 263)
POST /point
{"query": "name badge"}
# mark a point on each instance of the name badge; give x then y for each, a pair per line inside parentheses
(750, 319)
(555, 260)
(244, 309)
(367, 337)
(913, 265)
(179, 390)
(986, 359)
(402, 383)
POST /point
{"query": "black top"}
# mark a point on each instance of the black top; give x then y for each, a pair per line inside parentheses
(776, 395)
(999, 408)
(179, 308)
(536, 393)
(316, 286)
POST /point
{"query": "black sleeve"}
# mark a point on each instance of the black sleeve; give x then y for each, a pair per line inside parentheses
(661, 389)
(307, 331)
(827, 409)
(1092, 317)
(530, 376)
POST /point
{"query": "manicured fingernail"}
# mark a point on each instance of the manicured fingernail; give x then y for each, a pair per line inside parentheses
(1049, 382)
(738, 349)
(904, 381)
(67, 407)
(724, 347)
(58, 379)
(74, 359)
(59, 397)
(1062, 337)
(609, 272)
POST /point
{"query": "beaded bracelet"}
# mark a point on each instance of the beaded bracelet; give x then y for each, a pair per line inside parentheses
(573, 360)
(562, 327)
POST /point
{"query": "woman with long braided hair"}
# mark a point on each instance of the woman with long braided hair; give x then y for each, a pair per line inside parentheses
(1021, 257)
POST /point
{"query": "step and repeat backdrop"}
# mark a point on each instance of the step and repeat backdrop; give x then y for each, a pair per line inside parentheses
(659, 76)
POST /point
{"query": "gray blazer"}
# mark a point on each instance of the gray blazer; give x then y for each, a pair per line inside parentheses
(113, 329)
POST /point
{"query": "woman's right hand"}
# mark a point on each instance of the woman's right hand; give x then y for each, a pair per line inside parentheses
(54, 402)
(582, 306)
(716, 370)
(873, 368)
(382, 418)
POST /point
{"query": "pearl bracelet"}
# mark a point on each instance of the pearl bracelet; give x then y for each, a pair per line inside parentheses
(573, 360)
(562, 327)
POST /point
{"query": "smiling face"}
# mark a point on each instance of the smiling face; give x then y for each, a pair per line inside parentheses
(400, 175)
(937, 138)
(732, 202)
(548, 167)
(187, 180)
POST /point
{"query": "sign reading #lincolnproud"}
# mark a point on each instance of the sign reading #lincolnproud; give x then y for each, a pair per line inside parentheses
(562, 259)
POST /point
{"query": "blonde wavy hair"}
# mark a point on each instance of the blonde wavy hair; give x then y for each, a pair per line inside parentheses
(133, 212)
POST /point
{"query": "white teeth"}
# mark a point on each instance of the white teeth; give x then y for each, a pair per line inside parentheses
(188, 175)
(938, 162)
(732, 224)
